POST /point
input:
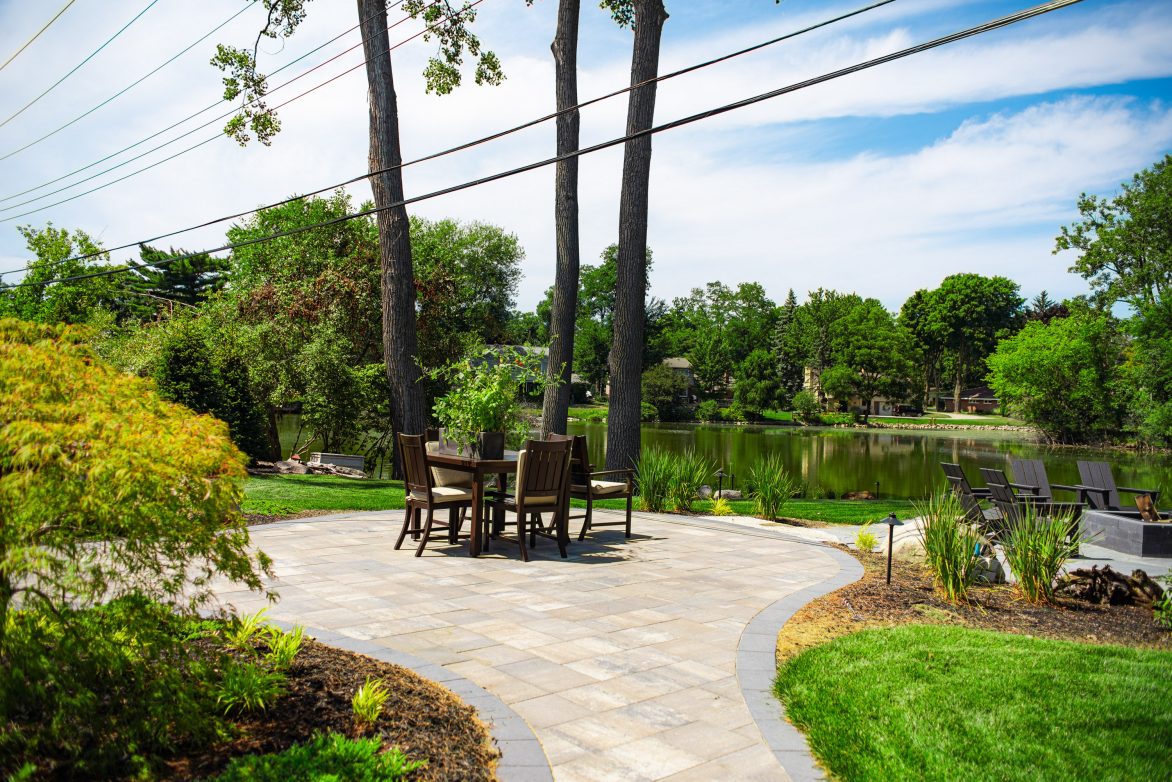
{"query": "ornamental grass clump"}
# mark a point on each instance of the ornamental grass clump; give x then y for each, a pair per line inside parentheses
(772, 486)
(654, 472)
(1036, 547)
(952, 546)
(689, 471)
(865, 539)
(368, 703)
(721, 507)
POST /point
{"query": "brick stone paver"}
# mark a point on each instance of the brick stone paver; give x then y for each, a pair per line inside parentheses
(621, 659)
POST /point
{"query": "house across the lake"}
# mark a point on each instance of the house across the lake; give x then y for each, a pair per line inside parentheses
(978, 399)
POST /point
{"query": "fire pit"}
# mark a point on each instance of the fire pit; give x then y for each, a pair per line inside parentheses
(1126, 532)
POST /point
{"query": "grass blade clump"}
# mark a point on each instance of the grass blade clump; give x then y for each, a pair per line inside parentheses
(1036, 547)
(721, 507)
(952, 546)
(324, 757)
(772, 486)
(368, 703)
(865, 539)
(653, 472)
(689, 472)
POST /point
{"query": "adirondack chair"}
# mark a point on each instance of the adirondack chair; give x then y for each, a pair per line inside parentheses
(970, 498)
(1032, 472)
(1031, 490)
(1012, 504)
(1102, 491)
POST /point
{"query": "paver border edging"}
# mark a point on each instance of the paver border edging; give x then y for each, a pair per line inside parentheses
(522, 758)
(757, 669)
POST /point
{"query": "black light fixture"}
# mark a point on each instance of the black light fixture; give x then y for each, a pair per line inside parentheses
(719, 482)
(891, 523)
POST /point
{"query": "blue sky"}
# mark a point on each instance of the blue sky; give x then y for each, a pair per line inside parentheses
(968, 158)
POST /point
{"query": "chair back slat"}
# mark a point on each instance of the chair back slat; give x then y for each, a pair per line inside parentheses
(956, 477)
(416, 476)
(1098, 474)
(1004, 500)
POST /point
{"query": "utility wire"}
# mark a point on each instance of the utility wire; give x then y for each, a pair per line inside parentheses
(214, 120)
(37, 34)
(77, 67)
(995, 24)
(132, 85)
(469, 144)
(207, 108)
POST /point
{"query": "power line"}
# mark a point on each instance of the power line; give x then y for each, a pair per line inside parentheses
(77, 67)
(37, 34)
(132, 85)
(466, 145)
(995, 24)
(212, 121)
(207, 108)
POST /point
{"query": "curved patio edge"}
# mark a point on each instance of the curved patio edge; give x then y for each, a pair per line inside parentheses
(757, 669)
(522, 758)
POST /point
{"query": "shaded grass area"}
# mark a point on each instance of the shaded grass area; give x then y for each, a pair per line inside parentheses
(593, 413)
(932, 702)
(283, 495)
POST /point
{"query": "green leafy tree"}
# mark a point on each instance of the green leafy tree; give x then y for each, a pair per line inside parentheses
(757, 386)
(871, 354)
(1124, 244)
(967, 315)
(107, 493)
(1063, 376)
(1150, 371)
(71, 301)
(663, 388)
(787, 349)
(1045, 309)
(816, 325)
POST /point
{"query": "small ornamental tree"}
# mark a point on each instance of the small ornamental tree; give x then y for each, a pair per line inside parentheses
(107, 490)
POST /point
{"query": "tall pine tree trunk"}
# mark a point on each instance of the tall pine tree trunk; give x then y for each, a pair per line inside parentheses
(394, 238)
(626, 354)
(556, 405)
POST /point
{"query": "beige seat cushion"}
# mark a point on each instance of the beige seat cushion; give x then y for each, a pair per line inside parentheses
(601, 488)
(442, 476)
(444, 494)
(540, 500)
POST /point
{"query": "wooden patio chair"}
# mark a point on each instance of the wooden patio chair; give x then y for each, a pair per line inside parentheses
(1102, 491)
(543, 476)
(421, 494)
(589, 484)
(1011, 504)
(970, 499)
(1032, 472)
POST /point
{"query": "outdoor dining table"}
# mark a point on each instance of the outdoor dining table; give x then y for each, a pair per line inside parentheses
(480, 469)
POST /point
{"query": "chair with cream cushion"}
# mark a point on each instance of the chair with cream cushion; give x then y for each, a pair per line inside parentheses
(422, 493)
(589, 484)
(543, 472)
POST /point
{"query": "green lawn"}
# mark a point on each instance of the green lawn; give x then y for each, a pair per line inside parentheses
(945, 703)
(597, 413)
(281, 495)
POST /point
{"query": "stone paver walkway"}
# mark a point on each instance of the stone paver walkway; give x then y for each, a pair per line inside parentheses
(621, 659)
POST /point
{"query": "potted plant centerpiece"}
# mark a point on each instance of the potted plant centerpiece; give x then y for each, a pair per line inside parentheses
(482, 412)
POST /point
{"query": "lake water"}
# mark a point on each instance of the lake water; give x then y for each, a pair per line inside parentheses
(905, 462)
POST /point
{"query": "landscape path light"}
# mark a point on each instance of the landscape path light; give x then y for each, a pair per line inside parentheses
(891, 523)
(719, 482)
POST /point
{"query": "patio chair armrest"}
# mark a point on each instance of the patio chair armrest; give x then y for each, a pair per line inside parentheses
(982, 494)
(1064, 487)
(1154, 492)
(1035, 490)
(1094, 489)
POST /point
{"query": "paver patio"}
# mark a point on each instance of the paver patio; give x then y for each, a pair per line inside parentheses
(621, 659)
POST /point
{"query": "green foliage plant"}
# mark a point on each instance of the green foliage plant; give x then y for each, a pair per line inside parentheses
(736, 412)
(865, 539)
(708, 411)
(486, 393)
(721, 507)
(324, 758)
(284, 646)
(1036, 546)
(1163, 608)
(654, 474)
(772, 486)
(247, 687)
(368, 702)
(689, 471)
(951, 546)
(806, 406)
(243, 632)
(648, 412)
(662, 388)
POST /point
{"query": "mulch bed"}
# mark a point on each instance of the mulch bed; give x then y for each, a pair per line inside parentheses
(423, 719)
(911, 598)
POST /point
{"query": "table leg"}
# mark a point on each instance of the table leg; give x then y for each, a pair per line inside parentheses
(498, 508)
(477, 514)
